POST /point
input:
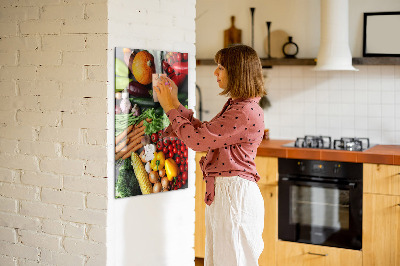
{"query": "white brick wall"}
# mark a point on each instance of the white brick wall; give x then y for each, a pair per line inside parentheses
(165, 221)
(53, 74)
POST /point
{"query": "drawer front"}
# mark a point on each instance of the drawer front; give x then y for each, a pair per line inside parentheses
(381, 179)
(293, 254)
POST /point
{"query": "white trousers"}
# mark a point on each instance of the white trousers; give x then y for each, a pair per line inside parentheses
(234, 223)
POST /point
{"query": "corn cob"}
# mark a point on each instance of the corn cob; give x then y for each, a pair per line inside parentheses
(141, 174)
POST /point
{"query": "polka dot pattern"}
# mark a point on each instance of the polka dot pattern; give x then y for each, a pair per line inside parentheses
(231, 139)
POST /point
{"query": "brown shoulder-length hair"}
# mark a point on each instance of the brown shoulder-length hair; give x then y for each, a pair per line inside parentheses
(245, 78)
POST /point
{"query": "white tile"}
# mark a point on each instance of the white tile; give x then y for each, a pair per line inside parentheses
(388, 124)
(322, 122)
(388, 110)
(297, 83)
(361, 97)
(374, 123)
(397, 72)
(348, 132)
(374, 97)
(310, 108)
(334, 109)
(335, 95)
(361, 123)
(348, 96)
(335, 122)
(361, 110)
(388, 84)
(322, 109)
(285, 83)
(322, 96)
(387, 72)
(348, 123)
(388, 97)
(388, 137)
(375, 136)
(296, 71)
(374, 84)
(374, 110)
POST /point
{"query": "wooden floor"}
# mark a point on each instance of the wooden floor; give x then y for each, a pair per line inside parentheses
(199, 262)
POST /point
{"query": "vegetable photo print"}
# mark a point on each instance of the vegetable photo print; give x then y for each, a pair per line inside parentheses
(146, 162)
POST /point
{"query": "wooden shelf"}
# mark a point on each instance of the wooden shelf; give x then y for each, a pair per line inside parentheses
(312, 61)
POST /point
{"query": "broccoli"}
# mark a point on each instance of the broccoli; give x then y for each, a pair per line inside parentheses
(127, 184)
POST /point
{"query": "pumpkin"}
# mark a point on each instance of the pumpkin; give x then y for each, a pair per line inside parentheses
(143, 67)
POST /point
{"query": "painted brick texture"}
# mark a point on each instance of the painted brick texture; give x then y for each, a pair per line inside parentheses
(53, 119)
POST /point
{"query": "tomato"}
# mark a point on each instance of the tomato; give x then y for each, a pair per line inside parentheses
(166, 141)
(160, 134)
(159, 145)
(171, 154)
(185, 56)
(184, 176)
(182, 148)
(179, 184)
(178, 160)
(170, 147)
(185, 153)
(182, 168)
(183, 182)
(154, 137)
(165, 150)
(175, 150)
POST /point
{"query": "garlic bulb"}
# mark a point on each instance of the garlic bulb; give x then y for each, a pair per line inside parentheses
(125, 103)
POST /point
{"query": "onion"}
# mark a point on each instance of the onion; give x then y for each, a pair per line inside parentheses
(164, 182)
(154, 177)
(157, 187)
(161, 172)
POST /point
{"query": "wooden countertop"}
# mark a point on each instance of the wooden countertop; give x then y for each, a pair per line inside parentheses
(379, 154)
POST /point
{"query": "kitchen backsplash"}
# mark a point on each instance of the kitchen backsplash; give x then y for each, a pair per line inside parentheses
(337, 104)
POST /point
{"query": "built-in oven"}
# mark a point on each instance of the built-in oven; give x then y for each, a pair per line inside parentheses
(320, 202)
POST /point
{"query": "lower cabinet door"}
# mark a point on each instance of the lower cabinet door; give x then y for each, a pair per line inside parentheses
(270, 233)
(293, 254)
(381, 230)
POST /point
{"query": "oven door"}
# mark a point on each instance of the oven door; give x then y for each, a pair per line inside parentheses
(320, 212)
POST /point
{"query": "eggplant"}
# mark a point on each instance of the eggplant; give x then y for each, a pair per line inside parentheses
(136, 89)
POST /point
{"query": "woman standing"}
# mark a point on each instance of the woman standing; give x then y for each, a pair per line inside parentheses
(235, 207)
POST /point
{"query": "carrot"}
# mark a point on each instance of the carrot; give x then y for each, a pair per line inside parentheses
(142, 122)
(136, 131)
(126, 149)
(122, 144)
(129, 153)
(123, 134)
(139, 135)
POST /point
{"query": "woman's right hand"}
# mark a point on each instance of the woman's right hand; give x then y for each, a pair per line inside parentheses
(174, 90)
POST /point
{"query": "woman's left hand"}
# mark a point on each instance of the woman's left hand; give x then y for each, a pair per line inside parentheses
(163, 90)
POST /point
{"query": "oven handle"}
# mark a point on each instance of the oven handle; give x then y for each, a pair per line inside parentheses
(298, 181)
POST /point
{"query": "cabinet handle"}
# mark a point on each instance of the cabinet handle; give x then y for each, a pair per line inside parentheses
(318, 254)
(398, 204)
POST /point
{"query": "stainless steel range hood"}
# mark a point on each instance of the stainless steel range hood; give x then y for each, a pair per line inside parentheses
(334, 52)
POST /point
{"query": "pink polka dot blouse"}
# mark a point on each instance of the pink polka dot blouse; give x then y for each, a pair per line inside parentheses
(231, 139)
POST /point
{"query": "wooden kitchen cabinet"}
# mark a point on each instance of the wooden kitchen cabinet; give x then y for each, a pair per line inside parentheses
(270, 233)
(298, 254)
(381, 179)
(200, 207)
(381, 215)
(381, 230)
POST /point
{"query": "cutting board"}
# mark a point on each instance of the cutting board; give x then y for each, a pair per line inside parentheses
(232, 35)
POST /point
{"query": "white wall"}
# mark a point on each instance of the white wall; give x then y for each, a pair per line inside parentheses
(53, 190)
(299, 18)
(151, 229)
(338, 104)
